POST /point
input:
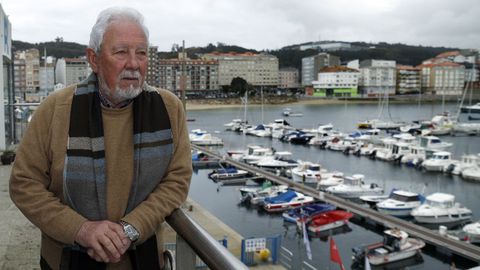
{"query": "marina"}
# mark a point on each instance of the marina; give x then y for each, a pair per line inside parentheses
(387, 175)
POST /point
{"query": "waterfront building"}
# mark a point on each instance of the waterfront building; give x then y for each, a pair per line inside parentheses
(201, 76)
(408, 80)
(153, 67)
(288, 78)
(256, 69)
(337, 81)
(377, 77)
(444, 78)
(7, 129)
(313, 64)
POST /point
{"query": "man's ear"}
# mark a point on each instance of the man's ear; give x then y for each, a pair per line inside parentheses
(92, 59)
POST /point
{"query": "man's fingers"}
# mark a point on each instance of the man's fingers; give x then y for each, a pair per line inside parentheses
(109, 247)
(100, 253)
(117, 242)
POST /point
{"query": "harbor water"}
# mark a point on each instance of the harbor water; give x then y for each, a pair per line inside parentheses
(223, 201)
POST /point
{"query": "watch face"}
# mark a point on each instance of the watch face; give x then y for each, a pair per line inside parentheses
(131, 233)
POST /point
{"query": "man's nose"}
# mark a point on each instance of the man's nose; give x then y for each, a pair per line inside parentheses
(132, 61)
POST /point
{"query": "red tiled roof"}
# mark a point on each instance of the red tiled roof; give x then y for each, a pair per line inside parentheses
(448, 54)
(444, 64)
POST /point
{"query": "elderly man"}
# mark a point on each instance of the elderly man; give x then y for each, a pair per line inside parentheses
(105, 161)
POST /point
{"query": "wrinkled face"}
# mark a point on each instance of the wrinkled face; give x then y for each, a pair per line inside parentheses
(122, 61)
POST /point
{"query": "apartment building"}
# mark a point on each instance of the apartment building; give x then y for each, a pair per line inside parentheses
(256, 69)
(288, 78)
(408, 80)
(153, 67)
(377, 77)
(19, 76)
(313, 64)
(201, 76)
(444, 78)
(31, 60)
(336, 81)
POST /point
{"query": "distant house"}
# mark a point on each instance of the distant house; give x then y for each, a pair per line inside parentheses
(377, 77)
(336, 81)
(408, 80)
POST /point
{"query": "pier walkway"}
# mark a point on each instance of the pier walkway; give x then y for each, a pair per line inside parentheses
(463, 249)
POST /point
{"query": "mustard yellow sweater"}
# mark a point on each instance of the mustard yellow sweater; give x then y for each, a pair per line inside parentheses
(37, 175)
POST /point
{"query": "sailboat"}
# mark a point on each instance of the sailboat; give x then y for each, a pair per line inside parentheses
(379, 123)
(462, 127)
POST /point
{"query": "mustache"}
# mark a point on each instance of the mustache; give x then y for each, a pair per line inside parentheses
(130, 74)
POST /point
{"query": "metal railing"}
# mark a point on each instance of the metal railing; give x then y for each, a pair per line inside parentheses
(202, 243)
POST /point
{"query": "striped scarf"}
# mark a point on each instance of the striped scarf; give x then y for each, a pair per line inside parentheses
(84, 183)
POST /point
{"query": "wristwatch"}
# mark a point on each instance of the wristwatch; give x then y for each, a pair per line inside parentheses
(130, 231)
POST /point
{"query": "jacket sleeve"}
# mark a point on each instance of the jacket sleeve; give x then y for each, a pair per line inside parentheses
(172, 191)
(31, 179)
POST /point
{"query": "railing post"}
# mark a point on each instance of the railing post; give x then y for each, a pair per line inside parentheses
(185, 256)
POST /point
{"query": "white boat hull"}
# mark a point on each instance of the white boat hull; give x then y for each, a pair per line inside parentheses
(396, 212)
(391, 257)
(441, 219)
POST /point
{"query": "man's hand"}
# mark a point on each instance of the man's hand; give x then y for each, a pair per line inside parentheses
(105, 240)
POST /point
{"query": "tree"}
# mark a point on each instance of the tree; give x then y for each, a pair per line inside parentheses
(239, 86)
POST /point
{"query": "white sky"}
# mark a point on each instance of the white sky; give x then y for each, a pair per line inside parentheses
(260, 24)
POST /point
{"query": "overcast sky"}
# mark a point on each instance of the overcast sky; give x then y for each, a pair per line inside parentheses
(260, 24)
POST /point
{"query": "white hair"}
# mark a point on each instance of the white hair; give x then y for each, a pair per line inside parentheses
(107, 17)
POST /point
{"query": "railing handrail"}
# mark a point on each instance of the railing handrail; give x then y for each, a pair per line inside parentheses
(207, 248)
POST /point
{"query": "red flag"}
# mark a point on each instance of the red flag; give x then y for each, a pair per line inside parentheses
(334, 255)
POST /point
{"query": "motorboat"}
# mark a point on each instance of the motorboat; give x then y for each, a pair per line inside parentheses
(472, 232)
(227, 173)
(441, 125)
(285, 201)
(354, 187)
(438, 162)
(467, 161)
(246, 190)
(330, 179)
(372, 200)
(280, 160)
(396, 246)
(258, 197)
(417, 155)
(201, 137)
(326, 221)
(307, 172)
(256, 153)
(235, 125)
(400, 203)
(472, 173)
(471, 109)
(433, 142)
(441, 209)
(307, 211)
(379, 124)
(385, 152)
(259, 131)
